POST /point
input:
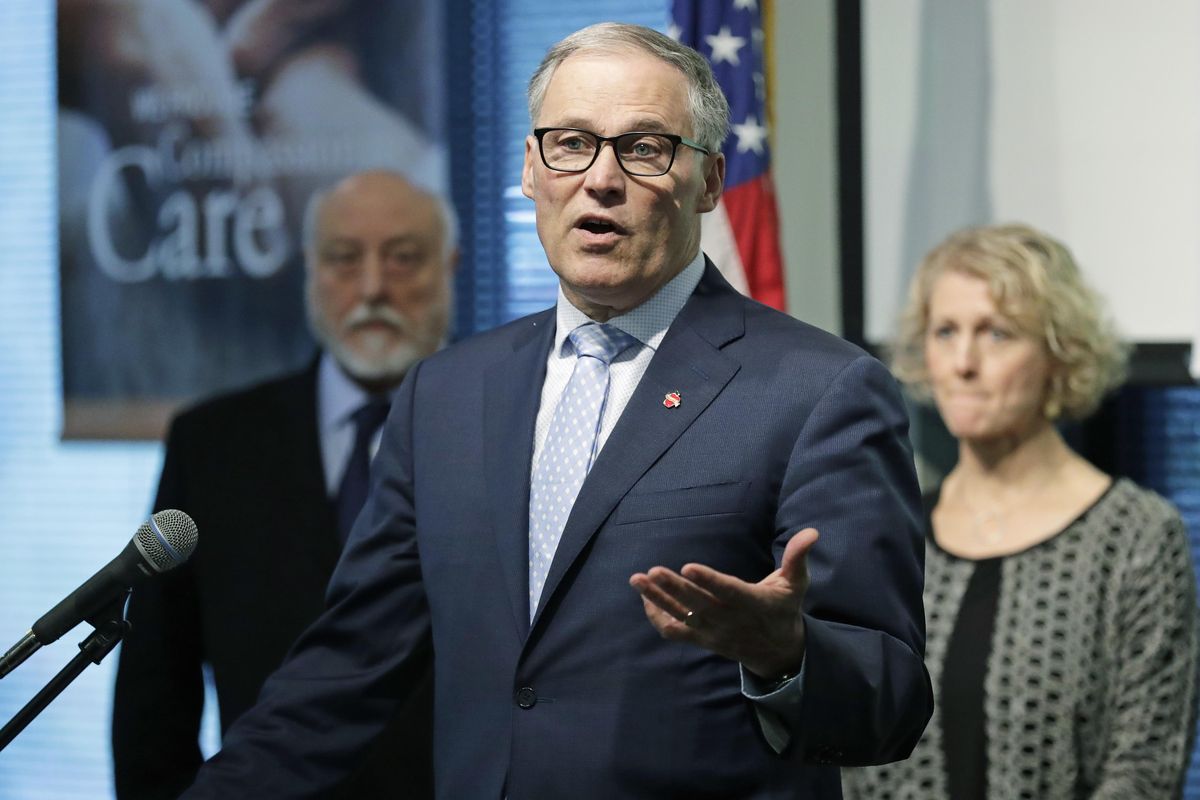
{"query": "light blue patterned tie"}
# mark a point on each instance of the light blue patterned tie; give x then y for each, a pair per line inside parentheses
(570, 446)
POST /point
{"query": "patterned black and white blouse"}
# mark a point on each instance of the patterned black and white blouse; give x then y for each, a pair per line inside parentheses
(1089, 686)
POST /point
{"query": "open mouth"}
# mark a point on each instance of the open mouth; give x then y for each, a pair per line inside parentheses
(599, 226)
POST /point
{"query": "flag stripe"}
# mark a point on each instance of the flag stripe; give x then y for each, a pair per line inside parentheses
(755, 223)
(729, 33)
(719, 242)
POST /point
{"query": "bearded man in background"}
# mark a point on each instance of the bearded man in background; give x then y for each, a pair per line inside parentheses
(274, 476)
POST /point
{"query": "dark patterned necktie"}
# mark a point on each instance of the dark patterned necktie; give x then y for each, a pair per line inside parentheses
(352, 492)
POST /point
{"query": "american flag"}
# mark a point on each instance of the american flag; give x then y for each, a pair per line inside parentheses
(742, 234)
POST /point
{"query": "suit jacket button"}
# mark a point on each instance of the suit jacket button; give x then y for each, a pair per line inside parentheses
(526, 697)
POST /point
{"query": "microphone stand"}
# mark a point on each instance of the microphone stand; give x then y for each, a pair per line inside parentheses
(111, 625)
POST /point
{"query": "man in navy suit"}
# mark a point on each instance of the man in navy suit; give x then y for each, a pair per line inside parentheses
(683, 632)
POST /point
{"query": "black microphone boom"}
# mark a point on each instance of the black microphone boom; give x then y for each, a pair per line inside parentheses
(162, 543)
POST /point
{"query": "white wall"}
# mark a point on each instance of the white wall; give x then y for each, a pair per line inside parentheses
(805, 158)
(1081, 118)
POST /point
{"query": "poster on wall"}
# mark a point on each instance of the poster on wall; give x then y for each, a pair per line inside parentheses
(191, 135)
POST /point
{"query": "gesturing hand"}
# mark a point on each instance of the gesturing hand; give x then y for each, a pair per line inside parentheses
(758, 625)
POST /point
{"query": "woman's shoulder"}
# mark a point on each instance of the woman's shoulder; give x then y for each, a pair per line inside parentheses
(1127, 504)
(1142, 525)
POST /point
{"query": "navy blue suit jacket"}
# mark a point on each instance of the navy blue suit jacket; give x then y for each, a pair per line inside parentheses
(781, 426)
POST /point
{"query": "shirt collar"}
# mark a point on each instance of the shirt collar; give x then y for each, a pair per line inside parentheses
(647, 322)
(338, 397)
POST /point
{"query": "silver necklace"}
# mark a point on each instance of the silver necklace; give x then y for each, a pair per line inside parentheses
(990, 525)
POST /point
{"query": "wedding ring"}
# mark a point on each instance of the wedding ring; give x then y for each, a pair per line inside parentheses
(687, 618)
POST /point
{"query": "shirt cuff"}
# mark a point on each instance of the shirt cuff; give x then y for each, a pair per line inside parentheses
(774, 704)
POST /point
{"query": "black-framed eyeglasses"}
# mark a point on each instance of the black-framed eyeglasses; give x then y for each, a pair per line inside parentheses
(644, 154)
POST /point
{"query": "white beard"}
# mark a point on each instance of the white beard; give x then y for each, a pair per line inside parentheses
(378, 358)
(375, 356)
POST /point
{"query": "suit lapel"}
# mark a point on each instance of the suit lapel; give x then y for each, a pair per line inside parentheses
(512, 393)
(688, 361)
(298, 399)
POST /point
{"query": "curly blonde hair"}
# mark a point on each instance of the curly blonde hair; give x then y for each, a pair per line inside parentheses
(1033, 280)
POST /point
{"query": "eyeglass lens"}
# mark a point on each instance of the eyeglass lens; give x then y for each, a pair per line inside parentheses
(644, 154)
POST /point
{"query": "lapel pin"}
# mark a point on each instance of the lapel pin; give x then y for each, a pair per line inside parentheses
(672, 400)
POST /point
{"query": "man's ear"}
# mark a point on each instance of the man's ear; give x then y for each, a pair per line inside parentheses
(714, 182)
(527, 171)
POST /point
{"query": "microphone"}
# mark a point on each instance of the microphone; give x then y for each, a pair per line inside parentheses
(163, 542)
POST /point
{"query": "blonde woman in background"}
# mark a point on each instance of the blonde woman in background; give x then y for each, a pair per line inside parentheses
(1060, 603)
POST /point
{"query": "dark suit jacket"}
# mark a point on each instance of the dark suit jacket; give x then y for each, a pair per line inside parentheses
(781, 426)
(247, 468)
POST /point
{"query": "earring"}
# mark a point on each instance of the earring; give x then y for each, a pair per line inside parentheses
(1052, 409)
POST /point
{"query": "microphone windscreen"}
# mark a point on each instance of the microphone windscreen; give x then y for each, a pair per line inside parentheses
(167, 539)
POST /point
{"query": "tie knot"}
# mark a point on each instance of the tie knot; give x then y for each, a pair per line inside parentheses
(370, 415)
(603, 342)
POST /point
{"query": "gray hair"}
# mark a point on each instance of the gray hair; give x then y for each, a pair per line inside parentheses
(706, 102)
(445, 212)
